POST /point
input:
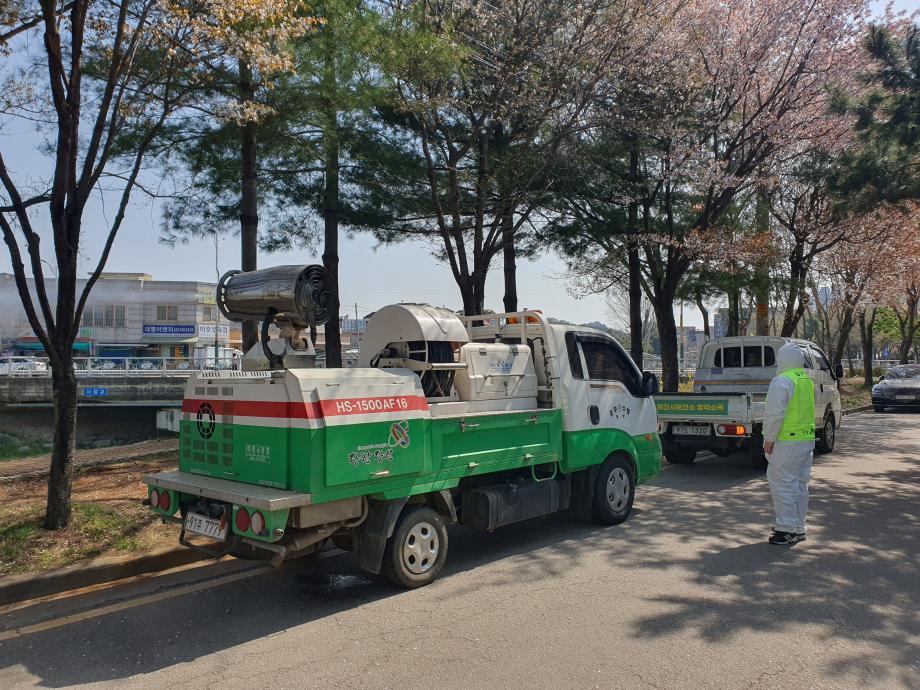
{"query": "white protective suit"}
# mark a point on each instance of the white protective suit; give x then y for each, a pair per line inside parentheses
(789, 466)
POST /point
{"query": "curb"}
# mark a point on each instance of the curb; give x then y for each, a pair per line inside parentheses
(14, 588)
(37, 474)
(854, 410)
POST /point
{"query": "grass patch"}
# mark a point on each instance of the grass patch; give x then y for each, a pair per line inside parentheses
(95, 528)
(108, 519)
(13, 447)
(853, 393)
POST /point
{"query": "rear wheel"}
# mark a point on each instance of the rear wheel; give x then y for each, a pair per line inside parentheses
(878, 408)
(828, 437)
(416, 552)
(680, 456)
(614, 491)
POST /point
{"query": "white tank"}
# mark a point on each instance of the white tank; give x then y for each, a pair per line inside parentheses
(496, 371)
(409, 323)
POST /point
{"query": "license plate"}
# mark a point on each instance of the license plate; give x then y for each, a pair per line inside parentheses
(904, 397)
(691, 430)
(206, 526)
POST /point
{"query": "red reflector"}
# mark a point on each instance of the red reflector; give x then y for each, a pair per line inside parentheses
(258, 523)
(164, 501)
(731, 430)
(154, 498)
(241, 520)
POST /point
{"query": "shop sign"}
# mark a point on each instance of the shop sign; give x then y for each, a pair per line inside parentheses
(206, 330)
(184, 330)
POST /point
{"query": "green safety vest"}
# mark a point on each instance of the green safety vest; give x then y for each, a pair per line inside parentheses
(799, 424)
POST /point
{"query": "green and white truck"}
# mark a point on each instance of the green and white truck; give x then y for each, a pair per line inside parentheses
(479, 420)
(724, 413)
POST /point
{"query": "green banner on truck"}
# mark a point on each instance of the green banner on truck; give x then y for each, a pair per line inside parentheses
(700, 407)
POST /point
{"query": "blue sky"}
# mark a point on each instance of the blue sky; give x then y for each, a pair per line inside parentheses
(370, 275)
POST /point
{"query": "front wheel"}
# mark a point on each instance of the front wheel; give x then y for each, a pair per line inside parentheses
(828, 437)
(416, 552)
(680, 456)
(878, 408)
(614, 491)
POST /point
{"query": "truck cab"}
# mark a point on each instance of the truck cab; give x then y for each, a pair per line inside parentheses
(480, 420)
(724, 413)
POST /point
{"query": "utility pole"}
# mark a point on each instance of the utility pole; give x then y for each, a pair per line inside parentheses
(216, 310)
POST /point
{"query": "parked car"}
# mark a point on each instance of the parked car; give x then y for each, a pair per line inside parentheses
(900, 387)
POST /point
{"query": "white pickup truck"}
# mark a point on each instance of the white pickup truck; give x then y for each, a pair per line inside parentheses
(724, 413)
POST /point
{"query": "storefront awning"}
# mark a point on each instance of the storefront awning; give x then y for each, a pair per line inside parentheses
(36, 346)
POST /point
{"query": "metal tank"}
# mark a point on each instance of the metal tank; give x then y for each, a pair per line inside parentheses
(302, 295)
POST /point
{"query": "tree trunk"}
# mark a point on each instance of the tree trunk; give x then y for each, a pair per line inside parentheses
(667, 334)
(842, 337)
(636, 326)
(57, 513)
(249, 200)
(331, 204)
(908, 328)
(796, 297)
(734, 311)
(509, 260)
(762, 270)
(705, 312)
(865, 336)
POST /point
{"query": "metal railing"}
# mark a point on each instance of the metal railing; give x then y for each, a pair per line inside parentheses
(118, 366)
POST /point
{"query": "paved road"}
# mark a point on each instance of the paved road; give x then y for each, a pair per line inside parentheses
(684, 595)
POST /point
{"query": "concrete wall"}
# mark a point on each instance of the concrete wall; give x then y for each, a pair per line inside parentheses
(96, 426)
(139, 390)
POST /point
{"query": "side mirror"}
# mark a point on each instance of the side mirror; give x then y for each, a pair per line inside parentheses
(838, 371)
(649, 384)
(881, 378)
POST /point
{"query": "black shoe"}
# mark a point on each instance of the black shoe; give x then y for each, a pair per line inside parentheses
(782, 538)
(799, 537)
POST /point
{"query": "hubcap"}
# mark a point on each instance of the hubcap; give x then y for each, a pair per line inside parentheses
(618, 489)
(420, 549)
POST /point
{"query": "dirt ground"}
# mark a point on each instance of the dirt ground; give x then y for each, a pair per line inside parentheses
(108, 519)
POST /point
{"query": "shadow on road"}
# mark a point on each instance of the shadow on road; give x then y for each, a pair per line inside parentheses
(856, 576)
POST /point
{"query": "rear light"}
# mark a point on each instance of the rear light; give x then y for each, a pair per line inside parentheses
(258, 523)
(164, 501)
(241, 520)
(154, 498)
(731, 430)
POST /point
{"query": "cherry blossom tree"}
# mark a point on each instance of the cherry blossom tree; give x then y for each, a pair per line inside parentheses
(107, 79)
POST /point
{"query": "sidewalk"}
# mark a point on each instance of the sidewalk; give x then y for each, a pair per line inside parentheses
(39, 465)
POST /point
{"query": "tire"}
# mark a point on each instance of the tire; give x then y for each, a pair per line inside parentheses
(759, 461)
(680, 456)
(415, 554)
(614, 491)
(879, 409)
(828, 436)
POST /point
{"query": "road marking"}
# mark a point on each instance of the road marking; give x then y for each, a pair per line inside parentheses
(130, 604)
(143, 601)
(102, 586)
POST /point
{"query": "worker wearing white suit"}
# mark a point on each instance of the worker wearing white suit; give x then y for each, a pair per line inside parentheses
(789, 442)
